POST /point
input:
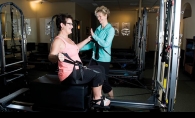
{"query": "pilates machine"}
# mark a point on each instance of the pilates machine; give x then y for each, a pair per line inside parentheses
(139, 59)
(167, 57)
(21, 70)
(164, 80)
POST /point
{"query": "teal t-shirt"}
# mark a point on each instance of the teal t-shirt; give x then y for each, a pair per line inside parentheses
(104, 37)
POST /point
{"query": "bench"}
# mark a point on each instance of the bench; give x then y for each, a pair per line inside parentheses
(48, 95)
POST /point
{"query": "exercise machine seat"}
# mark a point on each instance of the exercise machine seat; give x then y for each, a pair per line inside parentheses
(49, 94)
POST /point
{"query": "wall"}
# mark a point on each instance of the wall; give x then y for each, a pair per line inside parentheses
(124, 42)
(46, 11)
(188, 27)
(84, 17)
(37, 13)
(132, 17)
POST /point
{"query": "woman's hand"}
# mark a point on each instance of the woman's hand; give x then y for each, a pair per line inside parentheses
(61, 57)
(92, 33)
(89, 38)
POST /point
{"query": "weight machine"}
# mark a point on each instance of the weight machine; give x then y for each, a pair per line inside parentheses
(13, 74)
(163, 94)
(169, 42)
(139, 59)
(165, 74)
(9, 75)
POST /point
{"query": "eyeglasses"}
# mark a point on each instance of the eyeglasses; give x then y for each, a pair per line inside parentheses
(70, 23)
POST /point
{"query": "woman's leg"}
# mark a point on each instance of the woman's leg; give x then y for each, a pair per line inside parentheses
(97, 93)
(107, 88)
(95, 80)
(111, 94)
(97, 83)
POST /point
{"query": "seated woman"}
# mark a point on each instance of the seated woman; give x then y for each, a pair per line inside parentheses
(62, 44)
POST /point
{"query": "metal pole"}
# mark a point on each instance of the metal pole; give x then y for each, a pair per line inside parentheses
(160, 47)
(175, 55)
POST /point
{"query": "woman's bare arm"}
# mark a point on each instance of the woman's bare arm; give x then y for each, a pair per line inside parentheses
(84, 42)
(54, 50)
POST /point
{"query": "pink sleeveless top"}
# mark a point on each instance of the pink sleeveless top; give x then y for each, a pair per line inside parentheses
(65, 69)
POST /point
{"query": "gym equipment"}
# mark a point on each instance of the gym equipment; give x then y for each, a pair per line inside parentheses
(165, 84)
(12, 29)
(48, 94)
(123, 53)
(139, 59)
(41, 53)
(169, 56)
(13, 74)
(38, 56)
(52, 30)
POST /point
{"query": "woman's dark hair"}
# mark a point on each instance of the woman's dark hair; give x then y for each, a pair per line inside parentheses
(61, 18)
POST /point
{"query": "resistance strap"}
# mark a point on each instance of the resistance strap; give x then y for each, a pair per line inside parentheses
(97, 46)
(97, 53)
(76, 63)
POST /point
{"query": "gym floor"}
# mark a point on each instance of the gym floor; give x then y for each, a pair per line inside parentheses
(134, 91)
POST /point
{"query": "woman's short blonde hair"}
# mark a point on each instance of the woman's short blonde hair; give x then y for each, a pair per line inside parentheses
(102, 9)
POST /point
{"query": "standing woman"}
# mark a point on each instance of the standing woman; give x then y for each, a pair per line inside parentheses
(103, 37)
